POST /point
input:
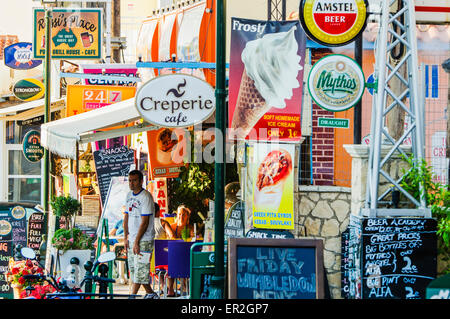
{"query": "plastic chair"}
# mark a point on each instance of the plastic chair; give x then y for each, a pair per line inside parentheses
(179, 260)
(161, 262)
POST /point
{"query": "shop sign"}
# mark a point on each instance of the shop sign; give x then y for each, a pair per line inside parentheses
(175, 100)
(125, 70)
(32, 149)
(19, 56)
(75, 33)
(333, 122)
(83, 98)
(336, 82)
(333, 22)
(29, 90)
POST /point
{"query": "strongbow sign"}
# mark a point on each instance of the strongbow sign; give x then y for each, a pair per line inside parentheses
(29, 90)
(336, 82)
(333, 22)
(19, 56)
(175, 100)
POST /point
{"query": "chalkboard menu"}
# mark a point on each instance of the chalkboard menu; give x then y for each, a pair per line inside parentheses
(6, 252)
(275, 268)
(111, 162)
(12, 232)
(388, 258)
(234, 224)
(399, 257)
(35, 231)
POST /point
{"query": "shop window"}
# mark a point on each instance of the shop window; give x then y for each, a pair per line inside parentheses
(24, 190)
(19, 165)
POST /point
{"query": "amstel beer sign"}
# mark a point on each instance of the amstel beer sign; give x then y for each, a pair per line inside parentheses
(336, 82)
(333, 22)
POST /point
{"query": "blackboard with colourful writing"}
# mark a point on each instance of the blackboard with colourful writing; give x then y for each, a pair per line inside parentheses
(6, 252)
(234, 223)
(399, 257)
(275, 268)
(109, 163)
(35, 230)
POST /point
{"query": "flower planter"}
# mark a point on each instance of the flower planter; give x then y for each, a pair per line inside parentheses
(17, 290)
(63, 264)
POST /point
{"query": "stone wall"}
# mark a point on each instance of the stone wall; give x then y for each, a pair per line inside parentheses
(323, 212)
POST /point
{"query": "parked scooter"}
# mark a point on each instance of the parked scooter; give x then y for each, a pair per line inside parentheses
(66, 289)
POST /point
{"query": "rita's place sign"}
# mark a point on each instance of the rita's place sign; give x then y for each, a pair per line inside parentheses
(333, 22)
(336, 82)
(175, 100)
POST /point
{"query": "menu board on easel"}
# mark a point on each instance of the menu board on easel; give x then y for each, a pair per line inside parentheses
(109, 163)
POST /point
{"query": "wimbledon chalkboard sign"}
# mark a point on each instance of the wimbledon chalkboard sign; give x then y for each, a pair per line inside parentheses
(234, 224)
(35, 230)
(399, 257)
(275, 268)
(111, 162)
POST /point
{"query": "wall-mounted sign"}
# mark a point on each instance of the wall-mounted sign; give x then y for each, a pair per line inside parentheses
(175, 100)
(83, 98)
(31, 145)
(75, 34)
(333, 22)
(336, 82)
(333, 122)
(29, 90)
(118, 69)
(19, 56)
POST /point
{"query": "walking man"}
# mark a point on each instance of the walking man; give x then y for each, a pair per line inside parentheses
(139, 233)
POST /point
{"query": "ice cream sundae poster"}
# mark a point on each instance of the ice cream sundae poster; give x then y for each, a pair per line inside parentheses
(75, 33)
(273, 186)
(266, 80)
(167, 148)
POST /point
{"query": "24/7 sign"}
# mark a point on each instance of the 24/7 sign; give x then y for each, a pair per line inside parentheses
(83, 98)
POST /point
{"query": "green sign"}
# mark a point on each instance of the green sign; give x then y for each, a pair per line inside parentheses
(333, 122)
(32, 149)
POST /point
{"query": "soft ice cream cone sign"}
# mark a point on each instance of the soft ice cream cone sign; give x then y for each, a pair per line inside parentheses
(175, 100)
(333, 22)
(336, 82)
(273, 186)
(266, 78)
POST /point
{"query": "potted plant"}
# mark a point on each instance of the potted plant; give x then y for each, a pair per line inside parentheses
(16, 271)
(70, 242)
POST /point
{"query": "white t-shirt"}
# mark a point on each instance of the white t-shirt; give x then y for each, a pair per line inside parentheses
(138, 205)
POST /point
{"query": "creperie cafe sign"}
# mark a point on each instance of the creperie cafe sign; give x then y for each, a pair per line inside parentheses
(333, 22)
(175, 100)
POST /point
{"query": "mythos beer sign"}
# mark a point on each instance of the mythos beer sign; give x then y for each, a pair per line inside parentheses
(333, 22)
(175, 100)
(336, 82)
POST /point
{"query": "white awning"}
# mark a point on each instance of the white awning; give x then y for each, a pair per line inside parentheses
(61, 136)
(12, 110)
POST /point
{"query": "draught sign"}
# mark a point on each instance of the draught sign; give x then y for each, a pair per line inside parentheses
(333, 22)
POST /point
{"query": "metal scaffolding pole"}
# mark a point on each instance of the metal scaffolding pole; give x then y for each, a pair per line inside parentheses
(397, 28)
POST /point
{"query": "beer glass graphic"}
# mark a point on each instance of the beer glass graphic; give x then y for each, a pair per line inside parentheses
(87, 39)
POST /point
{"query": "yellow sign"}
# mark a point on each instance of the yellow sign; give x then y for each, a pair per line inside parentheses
(273, 186)
(83, 98)
(75, 34)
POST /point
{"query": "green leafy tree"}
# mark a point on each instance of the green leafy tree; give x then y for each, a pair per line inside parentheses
(437, 197)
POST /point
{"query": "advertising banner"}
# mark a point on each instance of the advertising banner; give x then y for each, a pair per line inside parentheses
(76, 33)
(125, 70)
(83, 98)
(266, 80)
(29, 90)
(166, 151)
(31, 146)
(273, 186)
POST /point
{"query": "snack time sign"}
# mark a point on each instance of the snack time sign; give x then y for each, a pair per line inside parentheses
(75, 33)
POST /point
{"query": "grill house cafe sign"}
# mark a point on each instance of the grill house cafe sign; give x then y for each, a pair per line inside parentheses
(175, 100)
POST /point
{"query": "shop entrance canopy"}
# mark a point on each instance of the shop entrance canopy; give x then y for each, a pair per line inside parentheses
(61, 136)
